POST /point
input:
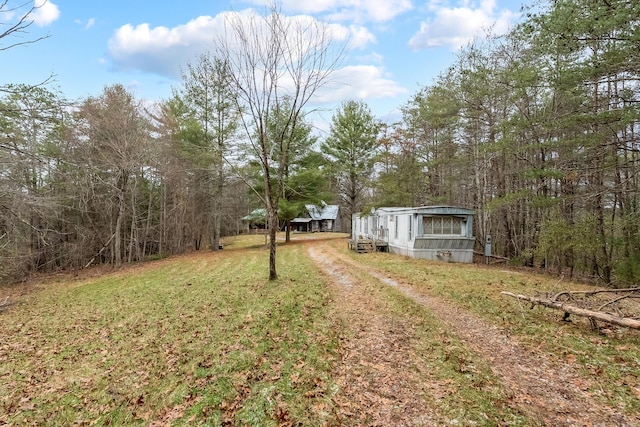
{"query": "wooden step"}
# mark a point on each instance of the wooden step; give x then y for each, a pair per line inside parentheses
(365, 247)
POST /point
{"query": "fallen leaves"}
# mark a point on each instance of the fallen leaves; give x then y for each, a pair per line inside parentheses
(231, 347)
(376, 378)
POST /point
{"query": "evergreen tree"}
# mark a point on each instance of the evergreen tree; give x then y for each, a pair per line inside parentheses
(351, 149)
(302, 181)
(208, 96)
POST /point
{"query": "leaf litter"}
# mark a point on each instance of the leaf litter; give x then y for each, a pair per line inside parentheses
(376, 381)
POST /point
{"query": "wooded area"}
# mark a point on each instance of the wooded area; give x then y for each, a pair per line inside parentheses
(537, 131)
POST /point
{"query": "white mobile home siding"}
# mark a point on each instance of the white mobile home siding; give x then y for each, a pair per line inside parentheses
(431, 232)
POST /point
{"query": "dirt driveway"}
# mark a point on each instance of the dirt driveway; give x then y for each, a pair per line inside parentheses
(380, 378)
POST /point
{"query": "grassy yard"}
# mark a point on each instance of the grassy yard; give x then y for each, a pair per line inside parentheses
(196, 339)
(205, 339)
(610, 357)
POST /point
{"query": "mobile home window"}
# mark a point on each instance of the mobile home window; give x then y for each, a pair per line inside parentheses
(442, 224)
(410, 227)
(396, 222)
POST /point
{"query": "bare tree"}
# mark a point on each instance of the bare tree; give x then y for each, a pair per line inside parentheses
(115, 133)
(19, 25)
(273, 59)
(15, 22)
(30, 123)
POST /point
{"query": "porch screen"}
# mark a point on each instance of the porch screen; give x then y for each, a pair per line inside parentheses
(442, 224)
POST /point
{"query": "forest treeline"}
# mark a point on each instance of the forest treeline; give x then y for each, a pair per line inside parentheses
(536, 130)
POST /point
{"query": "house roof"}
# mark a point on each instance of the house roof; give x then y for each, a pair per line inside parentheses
(300, 220)
(317, 213)
(428, 210)
(324, 211)
(256, 215)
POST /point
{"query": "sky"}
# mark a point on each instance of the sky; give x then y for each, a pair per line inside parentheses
(396, 47)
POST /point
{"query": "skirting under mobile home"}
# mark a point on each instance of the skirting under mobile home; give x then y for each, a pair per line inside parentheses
(442, 233)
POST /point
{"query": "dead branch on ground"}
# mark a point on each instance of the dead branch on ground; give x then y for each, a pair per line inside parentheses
(569, 302)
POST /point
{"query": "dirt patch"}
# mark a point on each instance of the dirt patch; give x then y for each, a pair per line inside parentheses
(555, 393)
(377, 383)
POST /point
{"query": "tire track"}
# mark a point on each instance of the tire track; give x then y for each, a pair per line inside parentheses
(377, 381)
(554, 393)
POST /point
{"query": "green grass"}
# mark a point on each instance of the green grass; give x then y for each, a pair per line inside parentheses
(205, 339)
(467, 393)
(201, 339)
(611, 360)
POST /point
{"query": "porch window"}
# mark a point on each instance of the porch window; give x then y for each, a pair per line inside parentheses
(442, 224)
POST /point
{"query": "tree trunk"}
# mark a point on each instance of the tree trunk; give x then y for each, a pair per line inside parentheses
(598, 315)
(118, 231)
(273, 232)
(218, 208)
(145, 241)
(216, 233)
(133, 233)
(271, 217)
(287, 230)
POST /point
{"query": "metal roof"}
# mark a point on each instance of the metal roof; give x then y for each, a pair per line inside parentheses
(256, 215)
(428, 210)
(325, 211)
(302, 220)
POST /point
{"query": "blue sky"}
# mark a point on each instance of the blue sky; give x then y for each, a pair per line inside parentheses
(401, 45)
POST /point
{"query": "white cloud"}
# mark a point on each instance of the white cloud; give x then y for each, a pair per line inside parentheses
(45, 12)
(355, 82)
(370, 10)
(312, 7)
(456, 26)
(358, 37)
(359, 11)
(358, 82)
(90, 23)
(164, 51)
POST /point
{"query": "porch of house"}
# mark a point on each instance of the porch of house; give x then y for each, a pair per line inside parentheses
(368, 245)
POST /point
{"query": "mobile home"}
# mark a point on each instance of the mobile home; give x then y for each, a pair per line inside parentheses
(432, 232)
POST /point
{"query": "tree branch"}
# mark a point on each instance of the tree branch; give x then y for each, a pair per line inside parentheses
(20, 26)
(567, 308)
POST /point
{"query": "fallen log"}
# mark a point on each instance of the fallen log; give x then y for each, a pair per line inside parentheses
(100, 251)
(622, 291)
(567, 308)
